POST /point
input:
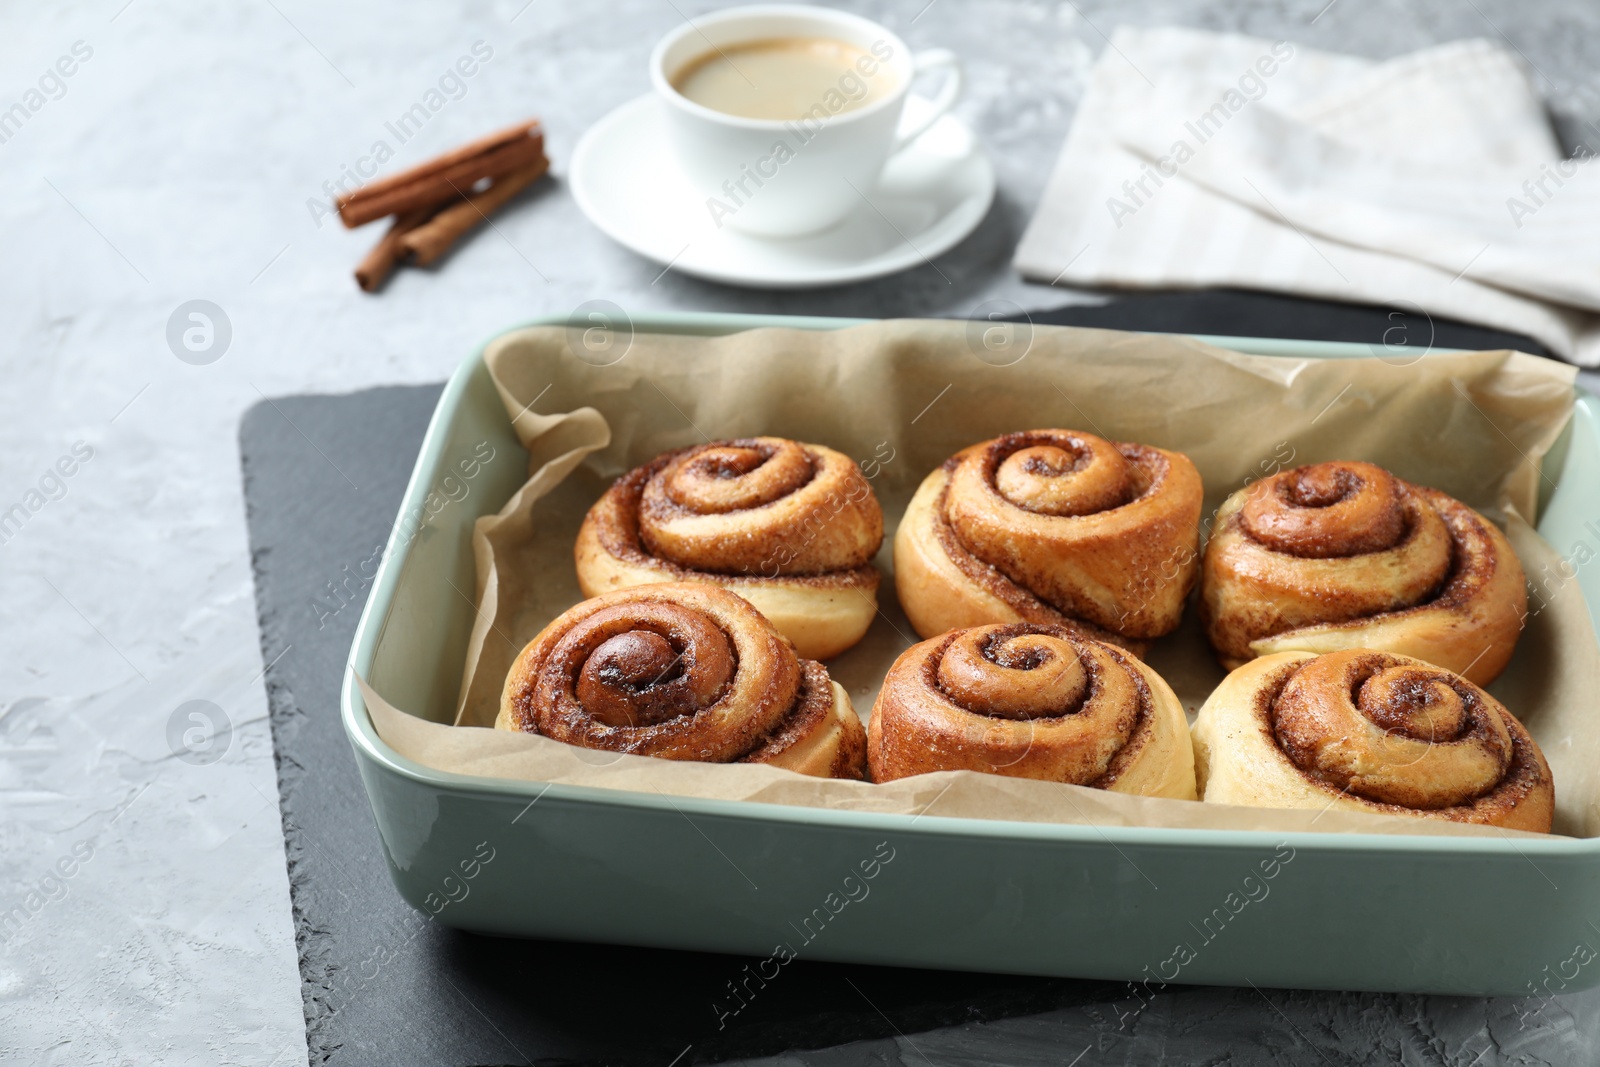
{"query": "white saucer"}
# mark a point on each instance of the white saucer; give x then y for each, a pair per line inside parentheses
(931, 195)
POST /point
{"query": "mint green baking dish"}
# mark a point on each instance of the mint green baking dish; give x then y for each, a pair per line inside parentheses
(1475, 916)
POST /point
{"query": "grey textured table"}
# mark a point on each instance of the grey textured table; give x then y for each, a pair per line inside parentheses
(177, 164)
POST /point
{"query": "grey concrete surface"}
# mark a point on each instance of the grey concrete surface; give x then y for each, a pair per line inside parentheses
(178, 162)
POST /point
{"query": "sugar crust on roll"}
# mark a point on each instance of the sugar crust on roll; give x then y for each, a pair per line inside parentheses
(1055, 527)
(684, 671)
(791, 527)
(1345, 555)
(1031, 701)
(1357, 730)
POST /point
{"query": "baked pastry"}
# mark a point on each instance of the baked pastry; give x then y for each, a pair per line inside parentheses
(790, 527)
(1346, 555)
(682, 671)
(1052, 527)
(1369, 731)
(1031, 700)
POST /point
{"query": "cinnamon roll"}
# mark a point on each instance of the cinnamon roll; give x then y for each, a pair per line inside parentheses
(682, 671)
(1052, 527)
(1031, 700)
(1346, 555)
(790, 527)
(1369, 731)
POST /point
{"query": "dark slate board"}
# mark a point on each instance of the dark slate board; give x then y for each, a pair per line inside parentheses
(323, 479)
(1239, 313)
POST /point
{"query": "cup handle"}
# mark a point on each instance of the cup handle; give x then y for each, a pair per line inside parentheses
(921, 63)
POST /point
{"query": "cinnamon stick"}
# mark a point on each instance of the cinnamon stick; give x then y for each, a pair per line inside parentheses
(438, 184)
(431, 240)
(379, 263)
(481, 146)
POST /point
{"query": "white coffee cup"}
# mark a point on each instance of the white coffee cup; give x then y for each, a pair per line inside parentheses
(829, 161)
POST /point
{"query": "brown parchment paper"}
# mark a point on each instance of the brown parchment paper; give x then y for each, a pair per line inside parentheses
(902, 396)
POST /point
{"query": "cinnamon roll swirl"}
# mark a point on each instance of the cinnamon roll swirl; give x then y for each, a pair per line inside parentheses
(1369, 731)
(1052, 527)
(790, 527)
(1346, 555)
(1031, 700)
(682, 671)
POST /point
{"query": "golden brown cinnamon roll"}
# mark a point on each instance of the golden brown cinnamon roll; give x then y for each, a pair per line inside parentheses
(790, 527)
(1369, 731)
(682, 671)
(1031, 701)
(1346, 555)
(1052, 526)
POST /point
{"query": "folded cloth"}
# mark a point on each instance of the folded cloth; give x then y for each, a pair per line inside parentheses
(1431, 182)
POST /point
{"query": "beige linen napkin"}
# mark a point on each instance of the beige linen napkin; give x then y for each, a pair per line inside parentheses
(1430, 183)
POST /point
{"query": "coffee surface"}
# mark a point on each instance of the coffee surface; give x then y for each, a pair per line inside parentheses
(784, 78)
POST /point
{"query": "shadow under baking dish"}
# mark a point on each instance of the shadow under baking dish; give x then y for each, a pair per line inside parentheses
(1454, 915)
